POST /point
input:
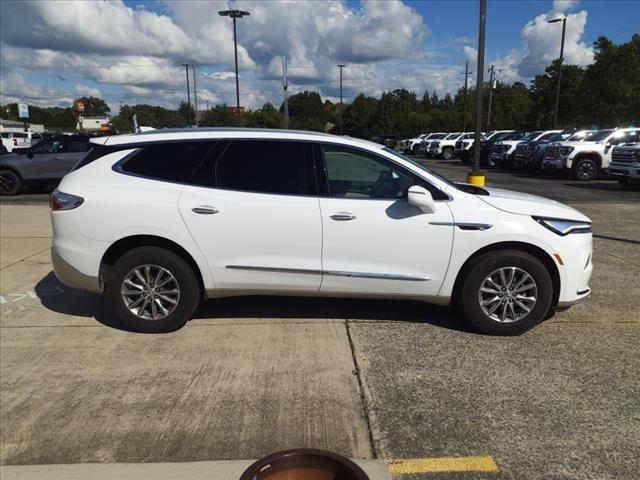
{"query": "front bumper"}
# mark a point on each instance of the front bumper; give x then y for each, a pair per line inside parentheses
(550, 164)
(72, 277)
(522, 160)
(626, 170)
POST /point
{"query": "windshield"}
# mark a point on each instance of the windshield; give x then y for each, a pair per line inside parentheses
(599, 135)
(437, 136)
(516, 136)
(530, 136)
(578, 136)
(500, 136)
(452, 136)
(551, 136)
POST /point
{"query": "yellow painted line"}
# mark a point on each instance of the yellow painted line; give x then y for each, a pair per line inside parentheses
(445, 464)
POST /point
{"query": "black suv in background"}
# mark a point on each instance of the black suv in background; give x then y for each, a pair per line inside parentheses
(386, 140)
(45, 163)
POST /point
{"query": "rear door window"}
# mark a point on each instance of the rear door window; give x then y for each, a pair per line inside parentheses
(173, 162)
(266, 166)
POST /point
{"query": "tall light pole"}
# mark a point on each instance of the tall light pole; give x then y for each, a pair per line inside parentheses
(186, 69)
(564, 28)
(235, 14)
(479, 78)
(341, 66)
(195, 93)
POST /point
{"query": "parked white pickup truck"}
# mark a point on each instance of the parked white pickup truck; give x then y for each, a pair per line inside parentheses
(410, 145)
(584, 159)
(444, 148)
(625, 165)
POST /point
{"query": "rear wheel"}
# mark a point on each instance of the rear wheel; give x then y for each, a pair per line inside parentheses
(153, 290)
(506, 292)
(10, 182)
(584, 169)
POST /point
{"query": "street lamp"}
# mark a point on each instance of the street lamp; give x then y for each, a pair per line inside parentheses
(564, 27)
(235, 14)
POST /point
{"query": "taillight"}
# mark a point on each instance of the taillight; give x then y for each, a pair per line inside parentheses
(64, 201)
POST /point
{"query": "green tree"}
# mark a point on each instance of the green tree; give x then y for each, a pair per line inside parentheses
(612, 84)
(94, 107)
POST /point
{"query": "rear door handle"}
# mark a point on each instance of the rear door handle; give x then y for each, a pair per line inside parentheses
(343, 216)
(205, 210)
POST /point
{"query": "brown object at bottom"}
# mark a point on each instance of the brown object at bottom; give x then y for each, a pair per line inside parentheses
(314, 468)
(304, 464)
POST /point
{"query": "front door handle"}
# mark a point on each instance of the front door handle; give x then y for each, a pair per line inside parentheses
(205, 210)
(343, 216)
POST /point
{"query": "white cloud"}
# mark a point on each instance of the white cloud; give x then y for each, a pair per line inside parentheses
(542, 40)
(108, 43)
(471, 54)
(87, 91)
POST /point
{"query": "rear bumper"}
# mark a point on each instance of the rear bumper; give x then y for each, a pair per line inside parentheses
(72, 277)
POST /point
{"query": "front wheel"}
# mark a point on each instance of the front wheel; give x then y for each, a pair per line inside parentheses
(506, 292)
(447, 153)
(10, 182)
(585, 169)
(153, 290)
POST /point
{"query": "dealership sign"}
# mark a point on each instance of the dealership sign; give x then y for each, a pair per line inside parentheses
(23, 110)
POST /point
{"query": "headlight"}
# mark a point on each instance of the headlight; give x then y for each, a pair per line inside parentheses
(564, 227)
(566, 150)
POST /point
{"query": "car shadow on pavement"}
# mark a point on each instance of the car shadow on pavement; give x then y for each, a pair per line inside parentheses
(62, 299)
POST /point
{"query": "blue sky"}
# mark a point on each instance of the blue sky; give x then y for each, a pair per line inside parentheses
(131, 51)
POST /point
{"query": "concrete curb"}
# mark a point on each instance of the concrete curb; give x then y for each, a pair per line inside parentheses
(211, 470)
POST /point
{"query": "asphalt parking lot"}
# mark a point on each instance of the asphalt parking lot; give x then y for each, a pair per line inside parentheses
(372, 380)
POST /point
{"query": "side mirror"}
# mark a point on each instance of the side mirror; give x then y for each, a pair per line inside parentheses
(421, 198)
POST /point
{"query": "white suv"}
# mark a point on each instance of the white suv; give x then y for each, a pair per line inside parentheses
(158, 221)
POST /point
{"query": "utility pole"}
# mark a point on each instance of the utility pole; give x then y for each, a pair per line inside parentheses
(341, 66)
(186, 69)
(195, 92)
(564, 28)
(480, 72)
(285, 85)
(466, 76)
(491, 71)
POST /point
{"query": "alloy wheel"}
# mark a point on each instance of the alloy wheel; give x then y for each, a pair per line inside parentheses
(150, 292)
(7, 184)
(585, 170)
(508, 294)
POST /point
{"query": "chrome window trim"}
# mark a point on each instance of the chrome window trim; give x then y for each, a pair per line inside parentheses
(333, 273)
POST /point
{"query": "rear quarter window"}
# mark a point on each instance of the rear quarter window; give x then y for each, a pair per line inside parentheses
(173, 162)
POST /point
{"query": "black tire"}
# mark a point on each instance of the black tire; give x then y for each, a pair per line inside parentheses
(484, 265)
(10, 182)
(584, 169)
(447, 153)
(188, 286)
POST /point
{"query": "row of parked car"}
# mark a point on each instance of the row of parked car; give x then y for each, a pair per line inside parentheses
(581, 153)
